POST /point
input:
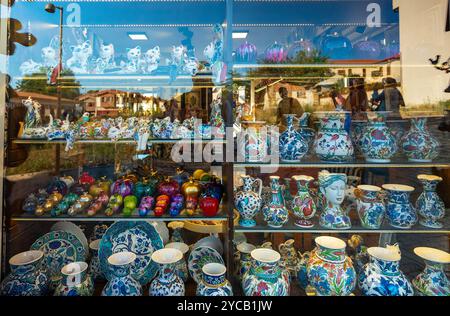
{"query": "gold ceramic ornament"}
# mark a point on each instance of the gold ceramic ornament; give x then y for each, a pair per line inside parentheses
(55, 197)
(39, 211)
(191, 188)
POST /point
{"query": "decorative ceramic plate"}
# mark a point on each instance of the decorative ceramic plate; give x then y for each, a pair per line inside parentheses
(141, 238)
(60, 248)
(74, 229)
(199, 257)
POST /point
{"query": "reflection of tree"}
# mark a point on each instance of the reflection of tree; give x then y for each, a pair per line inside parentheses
(37, 82)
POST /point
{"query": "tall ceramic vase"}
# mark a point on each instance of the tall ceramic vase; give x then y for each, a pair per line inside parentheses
(167, 283)
(305, 131)
(275, 213)
(432, 281)
(75, 281)
(333, 188)
(252, 141)
(181, 268)
(429, 205)
(213, 282)
(382, 275)
(293, 147)
(370, 206)
(333, 143)
(330, 271)
(303, 205)
(248, 202)
(26, 277)
(399, 210)
(95, 270)
(378, 143)
(418, 144)
(265, 277)
(245, 259)
(121, 282)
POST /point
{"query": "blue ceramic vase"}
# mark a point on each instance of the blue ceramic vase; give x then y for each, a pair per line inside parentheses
(95, 270)
(181, 268)
(167, 282)
(122, 283)
(370, 207)
(399, 210)
(275, 213)
(429, 205)
(27, 278)
(75, 281)
(293, 147)
(378, 143)
(382, 275)
(248, 202)
(305, 131)
(432, 281)
(213, 281)
(418, 144)
(245, 259)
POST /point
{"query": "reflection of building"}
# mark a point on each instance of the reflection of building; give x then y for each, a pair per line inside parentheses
(104, 102)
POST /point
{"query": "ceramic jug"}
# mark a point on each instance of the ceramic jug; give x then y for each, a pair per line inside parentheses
(306, 132)
(167, 283)
(121, 282)
(275, 213)
(429, 205)
(95, 270)
(418, 144)
(293, 147)
(248, 202)
(245, 259)
(399, 210)
(382, 275)
(252, 142)
(213, 282)
(289, 257)
(303, 205)
(370, 206)
(75, 281)
(432, 281)
(181, 268)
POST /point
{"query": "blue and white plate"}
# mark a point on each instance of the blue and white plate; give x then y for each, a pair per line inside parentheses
(60, 248)
(199, 257)
(141, 238)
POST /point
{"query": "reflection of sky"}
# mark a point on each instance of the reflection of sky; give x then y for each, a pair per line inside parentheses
(159, 17)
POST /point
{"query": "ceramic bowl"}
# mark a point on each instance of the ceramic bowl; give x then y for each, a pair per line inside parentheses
(211, 242)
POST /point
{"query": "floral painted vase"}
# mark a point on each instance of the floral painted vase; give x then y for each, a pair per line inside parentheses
(429, 205)
(95, 270)
(370, 206)
(357, 131)
(248, 202)
(293, 147)
(333, 188)
(333, 143)
(275, 213)
(75, 281)
(399, 210)
(330, 271)
(167, 283)
(303, 205)
(305, 131)
(432, 281)
(213, 282)
(181, 268)
(287, 196)
(253, 142)
(382, 275)
(27, 277)
(302, 274)
(378, 143)
(289, 257)
(265, 277)
(121, 282)
(418, 144)
(245, 259)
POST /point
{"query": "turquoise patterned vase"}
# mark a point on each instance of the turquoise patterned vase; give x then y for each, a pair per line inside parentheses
(265, 277)
(167, 283)
(432, 281)
(330, 271)
(418, 144)
(429, 205)
(122, 283)
(95, 270)
(76, 281)
(181, 268)
(293, 147)
(399, 210)
(245, 258)
(303, 205)
(275, 213)
(213, 281)
(382, 275)
(248, 202)
(370, 207)
(26, 277)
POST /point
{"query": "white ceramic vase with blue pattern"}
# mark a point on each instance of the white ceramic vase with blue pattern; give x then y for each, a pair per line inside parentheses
(418, 144)
(213, 282)
(27, 277)
(248, 202)
(382, 275)
(293, 147)
(275, 213)
(370, 206)
(181, 266)
(399, 210)
(95, 270)
(432, 281)
(429, 205)
(121, 282)
(167, 282)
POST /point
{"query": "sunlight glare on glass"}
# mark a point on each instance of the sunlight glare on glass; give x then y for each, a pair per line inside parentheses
(138, 36)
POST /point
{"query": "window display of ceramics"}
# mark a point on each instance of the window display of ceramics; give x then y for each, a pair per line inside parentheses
(213, 282)
(382, 275)
(399, 210)
(167, 282)
(27, 278)
(199, 257)
(429, 205)
(432, 281)
(75, 281)
(121, 282)
(60, 248)
(140, 238)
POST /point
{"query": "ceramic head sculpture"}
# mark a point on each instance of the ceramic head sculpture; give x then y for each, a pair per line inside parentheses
(333, 186)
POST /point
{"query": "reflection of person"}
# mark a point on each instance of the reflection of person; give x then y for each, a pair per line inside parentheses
(391, 99)
(339, 104)
(288, 105)
(357, 100)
